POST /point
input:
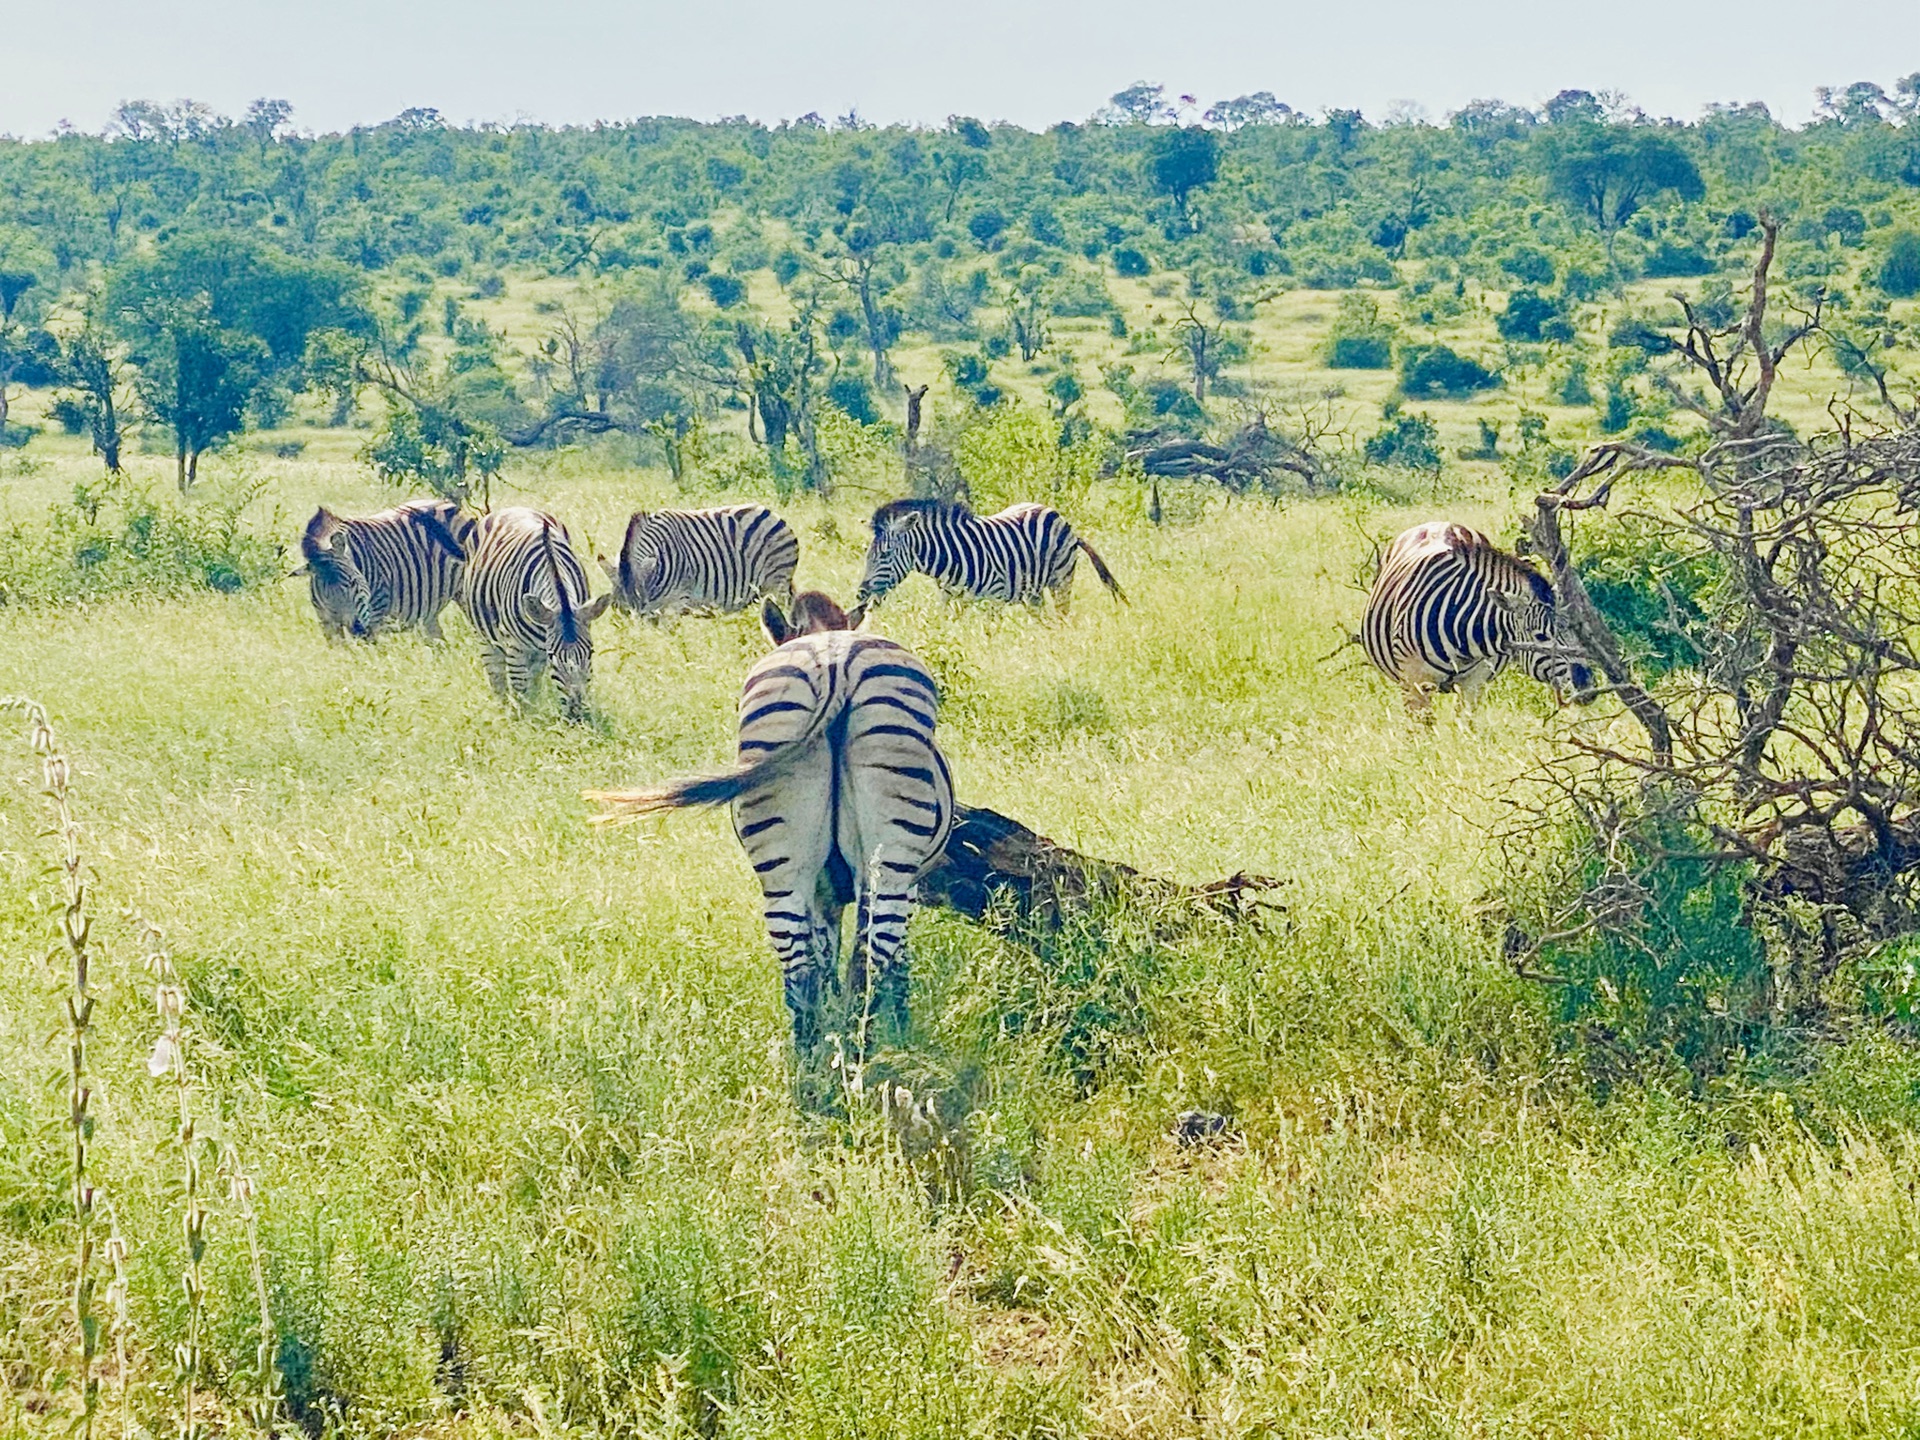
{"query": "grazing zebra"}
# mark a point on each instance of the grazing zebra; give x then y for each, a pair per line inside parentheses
(722, 559)
(1449, 609)
(840, 794)
(1020, 554)
(397, 568)
(526, 594)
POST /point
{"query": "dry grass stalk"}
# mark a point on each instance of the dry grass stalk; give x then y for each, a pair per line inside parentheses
(76, 930)
(169, 1059)
(265, 1404)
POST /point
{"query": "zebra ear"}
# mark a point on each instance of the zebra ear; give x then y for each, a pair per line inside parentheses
(1508, 602)
(857, 616)
(775, 622)
(595, 607)
(609, 569)
(337, 542)
(537, 610)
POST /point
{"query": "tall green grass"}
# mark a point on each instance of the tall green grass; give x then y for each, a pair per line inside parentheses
(515, 1100)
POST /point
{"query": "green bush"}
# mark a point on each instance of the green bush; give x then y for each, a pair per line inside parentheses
(1129, 261)
(1409, 441)
(1900, 270)
(1652, 588)
(1670, 260)
(1528, 264)
(1533, 317)
(114, 537)
(1439, 371)
(1360, 339)
(1680, 976)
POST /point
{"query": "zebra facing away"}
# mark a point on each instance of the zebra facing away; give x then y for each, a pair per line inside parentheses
(526, 594)
(840, 794)
(397, 568)
(1449, 609)
(1021, 554)
(721, 559)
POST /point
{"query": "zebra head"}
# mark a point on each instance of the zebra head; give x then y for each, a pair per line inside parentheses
(341, 595)
(569, 644)
(894, 551)
(1543, 641)
(813, 612)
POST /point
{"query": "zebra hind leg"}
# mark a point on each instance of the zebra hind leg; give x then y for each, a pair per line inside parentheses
(880, 958)
(806, 954)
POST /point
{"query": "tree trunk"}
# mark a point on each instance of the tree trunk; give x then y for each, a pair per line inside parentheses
(180, 468)
(993, 864)
(876, 332)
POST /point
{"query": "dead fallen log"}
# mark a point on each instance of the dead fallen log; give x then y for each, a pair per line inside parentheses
(994, 866)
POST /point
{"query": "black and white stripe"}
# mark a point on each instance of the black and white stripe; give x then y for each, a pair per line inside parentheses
(1021, 554)
(722, 559)
(841, 794)
(397, 568)
(526, 593)
(1449, 609)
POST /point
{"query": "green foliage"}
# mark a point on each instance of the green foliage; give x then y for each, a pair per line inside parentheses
(1899, 274)
(1609, 173)
(1528, 264)
(1407, 440)
(1653, 588)
(1671, 259)
(113, 538)
(1532, 317)
(1678, 977)
(1181, 160)
(1129, 261)
(1360, 339)
(1442, 372)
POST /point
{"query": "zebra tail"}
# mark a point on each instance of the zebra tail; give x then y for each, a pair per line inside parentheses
(1100, 569)
(696, 791)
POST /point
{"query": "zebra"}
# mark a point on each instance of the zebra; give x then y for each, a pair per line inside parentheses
(715, 560)
(526, 594)
(1449, 609)
(1018, 555)
(840, 794)
(397, 568)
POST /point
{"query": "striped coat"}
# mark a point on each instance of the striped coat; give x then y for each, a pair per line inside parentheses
(1449, 609)
(721, 559)
(1022, 554)
(526, 595)
(397, 568)
(841, 794)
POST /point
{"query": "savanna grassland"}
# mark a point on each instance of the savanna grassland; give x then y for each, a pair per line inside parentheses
(495, 1125)
(516, 1099)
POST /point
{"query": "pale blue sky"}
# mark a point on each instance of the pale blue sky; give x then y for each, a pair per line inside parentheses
(1030, 61)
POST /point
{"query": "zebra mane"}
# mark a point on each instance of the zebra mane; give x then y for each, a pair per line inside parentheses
(1464, 539)
(563, 605)
(938, 509)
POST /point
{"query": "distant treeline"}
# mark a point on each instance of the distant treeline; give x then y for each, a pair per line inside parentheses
(895, 230)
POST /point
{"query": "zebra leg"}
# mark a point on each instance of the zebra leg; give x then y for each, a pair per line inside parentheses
(431, 627)
(794, 933)
(1470, 685)
(494, 660)
(883, 935)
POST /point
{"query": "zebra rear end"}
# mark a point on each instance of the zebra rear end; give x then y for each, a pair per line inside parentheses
(841, 795)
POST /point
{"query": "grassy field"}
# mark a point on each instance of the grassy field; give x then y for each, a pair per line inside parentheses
(516, 1097)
